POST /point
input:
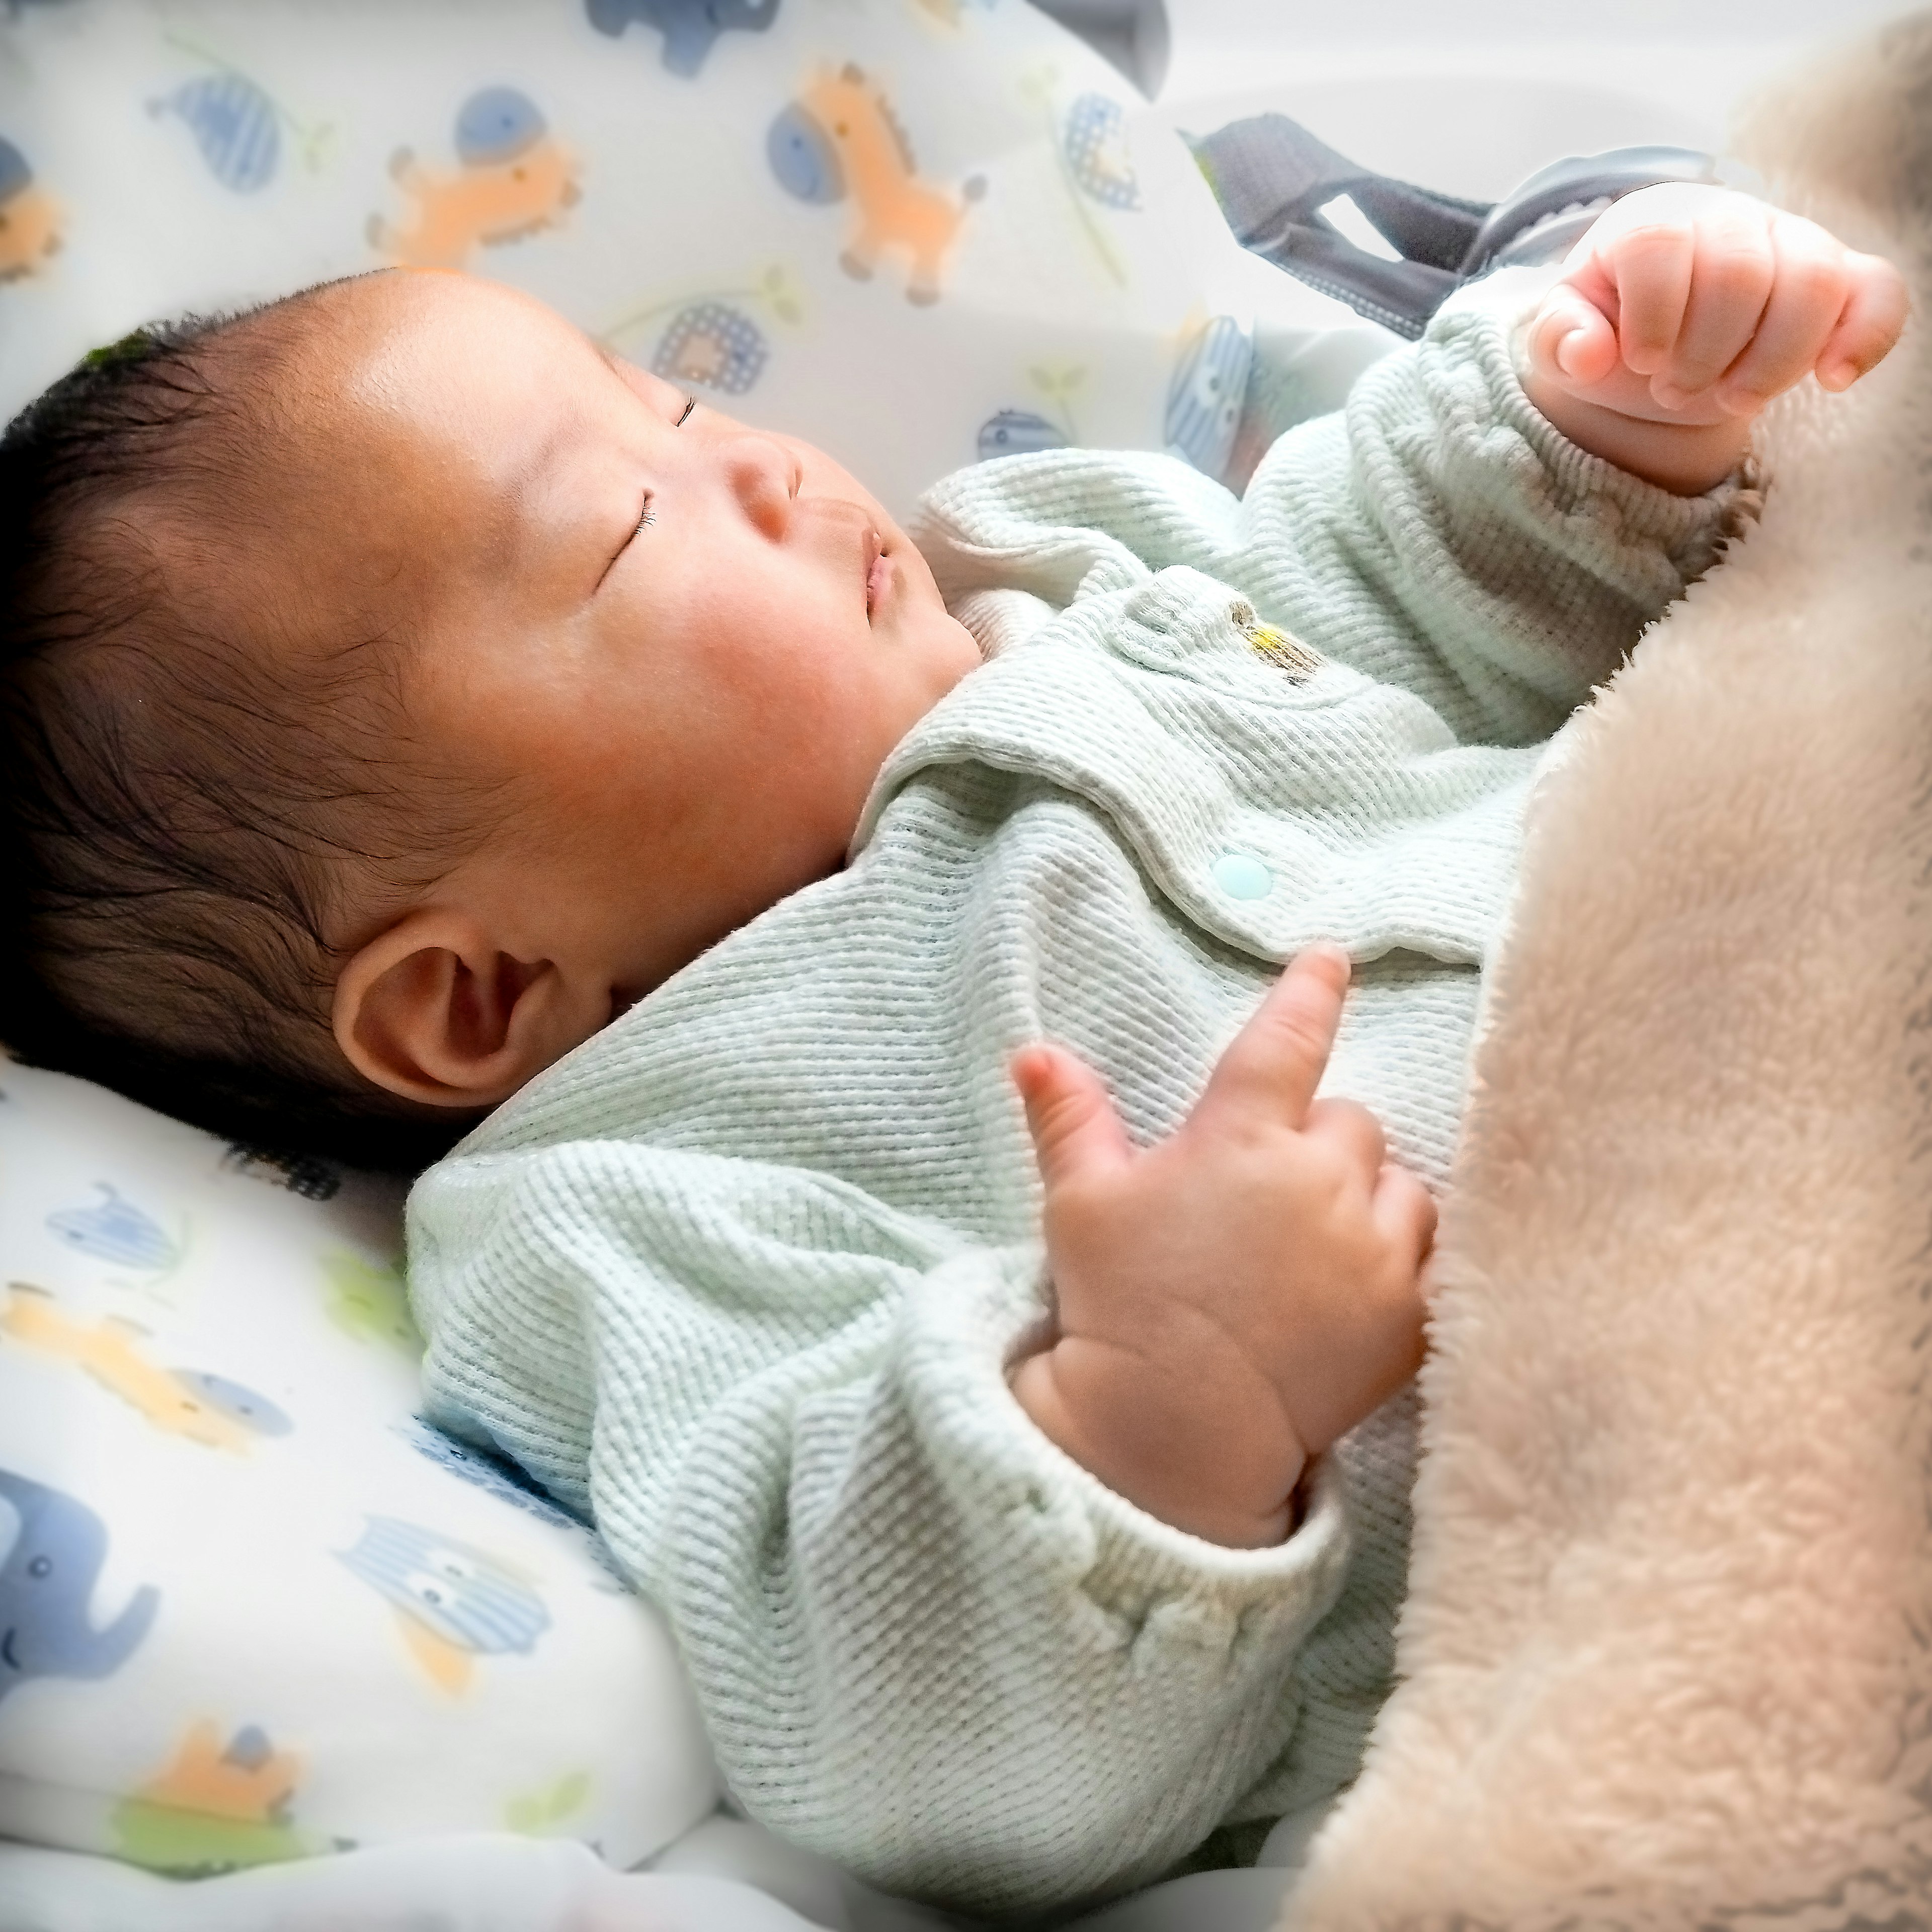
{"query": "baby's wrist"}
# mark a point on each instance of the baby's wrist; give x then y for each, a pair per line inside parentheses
(1686, 458)
(1213, 1455)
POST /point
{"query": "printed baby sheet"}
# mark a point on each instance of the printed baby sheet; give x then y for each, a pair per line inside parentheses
(917, 232)
(251, 1608)
(209, 1461)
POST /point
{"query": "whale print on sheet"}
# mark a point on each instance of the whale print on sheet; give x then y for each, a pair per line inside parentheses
(690, 28)
(113, 1229)
(48, 1573)
(453, 1602)
(234, 124)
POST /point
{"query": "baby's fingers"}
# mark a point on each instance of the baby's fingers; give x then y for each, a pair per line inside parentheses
(1870, 323)
(1069, 1114)
(1404, 1212)
(1271, 1068)
(1808, 293)
(1648, 268)
(1734, 271)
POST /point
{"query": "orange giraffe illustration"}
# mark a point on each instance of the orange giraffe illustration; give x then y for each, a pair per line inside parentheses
(206, 1409)
(515, 179)
(840, 138)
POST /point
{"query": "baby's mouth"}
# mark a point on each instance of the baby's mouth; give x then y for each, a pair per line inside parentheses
(878, 571)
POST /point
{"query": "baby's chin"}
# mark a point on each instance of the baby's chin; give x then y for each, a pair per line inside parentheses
(966, 646)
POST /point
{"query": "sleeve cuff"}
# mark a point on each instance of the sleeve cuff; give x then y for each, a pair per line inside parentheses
(1490, 318)
(964, 1322)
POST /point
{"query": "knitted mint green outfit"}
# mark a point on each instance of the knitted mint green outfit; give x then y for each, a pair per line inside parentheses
(739, 1275)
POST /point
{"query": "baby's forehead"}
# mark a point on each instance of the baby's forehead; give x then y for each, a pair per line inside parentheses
(433, 326)
(491, 374)
(434, 389)
(430, 425)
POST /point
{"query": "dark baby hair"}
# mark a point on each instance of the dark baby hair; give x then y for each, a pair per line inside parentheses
(182, 796)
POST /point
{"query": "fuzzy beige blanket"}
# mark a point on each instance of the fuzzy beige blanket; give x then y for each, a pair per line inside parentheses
(1666, 1659)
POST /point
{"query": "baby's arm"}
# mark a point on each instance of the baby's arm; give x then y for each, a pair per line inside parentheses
(1683, 311)
(1228, 1302)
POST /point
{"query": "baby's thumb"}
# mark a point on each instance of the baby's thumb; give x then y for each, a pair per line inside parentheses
(1069, 1114)
(1570, 340)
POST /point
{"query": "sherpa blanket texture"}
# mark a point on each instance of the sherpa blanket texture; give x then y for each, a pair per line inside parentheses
(1665, 1655)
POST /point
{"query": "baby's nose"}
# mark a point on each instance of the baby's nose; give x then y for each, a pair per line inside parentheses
(763, 477)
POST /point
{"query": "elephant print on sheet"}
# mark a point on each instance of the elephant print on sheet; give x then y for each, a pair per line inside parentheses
(515, 179)
(839, 140)
(690, 28)
(29, 218)
(47, 1580)
(453, 1603)
(206, 1409)
(216, 1808)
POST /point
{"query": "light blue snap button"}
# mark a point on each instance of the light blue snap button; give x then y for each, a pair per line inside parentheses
(1242, 876)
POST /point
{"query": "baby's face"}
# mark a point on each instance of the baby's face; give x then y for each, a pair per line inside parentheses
(674, 650)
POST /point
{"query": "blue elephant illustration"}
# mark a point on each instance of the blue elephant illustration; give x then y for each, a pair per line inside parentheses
(47, 1583)
(689, 27)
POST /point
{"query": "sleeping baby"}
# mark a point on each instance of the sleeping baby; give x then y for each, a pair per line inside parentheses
(903, 1200)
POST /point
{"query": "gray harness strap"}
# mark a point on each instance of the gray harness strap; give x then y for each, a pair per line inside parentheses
(1272, 178)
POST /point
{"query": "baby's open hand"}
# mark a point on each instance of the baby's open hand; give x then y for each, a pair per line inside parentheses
(1689, 307)
(1232, 1300)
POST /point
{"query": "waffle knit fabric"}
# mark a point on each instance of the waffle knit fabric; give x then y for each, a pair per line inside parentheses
(739, 1276)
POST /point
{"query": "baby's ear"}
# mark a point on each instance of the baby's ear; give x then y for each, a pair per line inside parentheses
(433, 1009)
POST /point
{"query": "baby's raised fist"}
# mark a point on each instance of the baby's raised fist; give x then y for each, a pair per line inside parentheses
(1692, 304)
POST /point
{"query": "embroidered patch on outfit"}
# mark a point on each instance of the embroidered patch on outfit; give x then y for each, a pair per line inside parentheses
(1281, 648)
